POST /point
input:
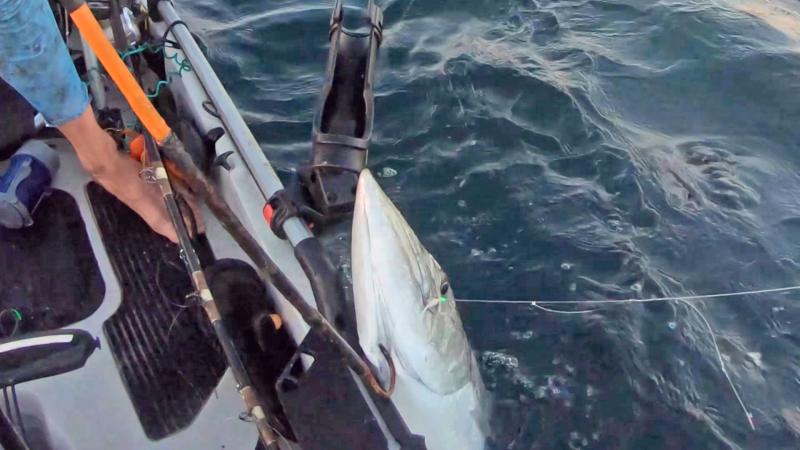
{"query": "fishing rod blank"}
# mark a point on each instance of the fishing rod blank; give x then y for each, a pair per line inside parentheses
(255, 407)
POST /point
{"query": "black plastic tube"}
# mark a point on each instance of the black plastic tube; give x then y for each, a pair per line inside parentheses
(324, 278)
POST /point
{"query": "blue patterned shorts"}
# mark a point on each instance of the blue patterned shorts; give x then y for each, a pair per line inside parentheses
(34, 60)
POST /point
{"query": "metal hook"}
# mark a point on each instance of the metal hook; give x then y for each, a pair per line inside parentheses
(373, 381)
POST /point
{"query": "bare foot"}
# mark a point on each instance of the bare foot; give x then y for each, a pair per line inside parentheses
(121, 179)
(117, 173)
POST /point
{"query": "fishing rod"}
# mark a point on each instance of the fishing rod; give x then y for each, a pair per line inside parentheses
(173, 149)
(155, 171)
(255, 407)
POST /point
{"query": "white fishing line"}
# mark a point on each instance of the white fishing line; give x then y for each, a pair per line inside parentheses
(685, 299)
(634, 300)
(722, 365)
(562, 311)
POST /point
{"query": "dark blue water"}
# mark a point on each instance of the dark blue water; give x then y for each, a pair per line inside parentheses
(571, 150)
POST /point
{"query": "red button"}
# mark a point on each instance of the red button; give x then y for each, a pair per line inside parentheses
(268, 213)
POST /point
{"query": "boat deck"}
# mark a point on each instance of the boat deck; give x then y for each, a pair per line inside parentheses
(159, 389)
(91, 408)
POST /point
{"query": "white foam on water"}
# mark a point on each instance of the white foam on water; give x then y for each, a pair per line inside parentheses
(500, 360)
(755, 357)
(792, 418)
(526, 335)
(387, 172)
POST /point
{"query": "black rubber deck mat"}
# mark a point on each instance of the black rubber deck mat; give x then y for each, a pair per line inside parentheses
(48, 271)
(167, 354)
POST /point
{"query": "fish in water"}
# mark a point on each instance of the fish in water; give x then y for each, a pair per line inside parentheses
(404, 302)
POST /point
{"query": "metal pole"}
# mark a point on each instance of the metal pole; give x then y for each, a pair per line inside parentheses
(93, 73)
(296, 231)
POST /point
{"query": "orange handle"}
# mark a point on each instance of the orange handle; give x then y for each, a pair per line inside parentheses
(118, 71)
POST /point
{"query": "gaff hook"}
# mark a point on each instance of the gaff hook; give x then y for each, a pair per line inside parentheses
(373, 382)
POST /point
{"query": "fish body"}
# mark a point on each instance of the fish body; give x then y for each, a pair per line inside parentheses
(404, 302)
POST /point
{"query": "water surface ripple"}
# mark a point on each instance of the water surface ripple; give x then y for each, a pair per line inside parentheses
(578, 149)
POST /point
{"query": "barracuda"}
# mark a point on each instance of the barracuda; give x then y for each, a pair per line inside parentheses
(404, 302)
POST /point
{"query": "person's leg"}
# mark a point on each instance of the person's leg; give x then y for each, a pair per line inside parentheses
(34, 60)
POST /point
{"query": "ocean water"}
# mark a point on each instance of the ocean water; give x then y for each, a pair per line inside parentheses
(581, 149)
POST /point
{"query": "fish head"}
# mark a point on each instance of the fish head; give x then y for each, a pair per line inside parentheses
(403, 298)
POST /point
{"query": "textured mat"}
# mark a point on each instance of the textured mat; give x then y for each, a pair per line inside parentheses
(48, 271)
(166, 353)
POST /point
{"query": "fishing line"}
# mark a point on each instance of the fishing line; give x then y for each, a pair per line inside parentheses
(20, 421)
(8, 404)
(561, 311)
(722, 364)
(16, 316)
(535, 303)
(685, 299)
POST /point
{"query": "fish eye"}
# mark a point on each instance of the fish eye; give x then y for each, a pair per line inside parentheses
(444, 288)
